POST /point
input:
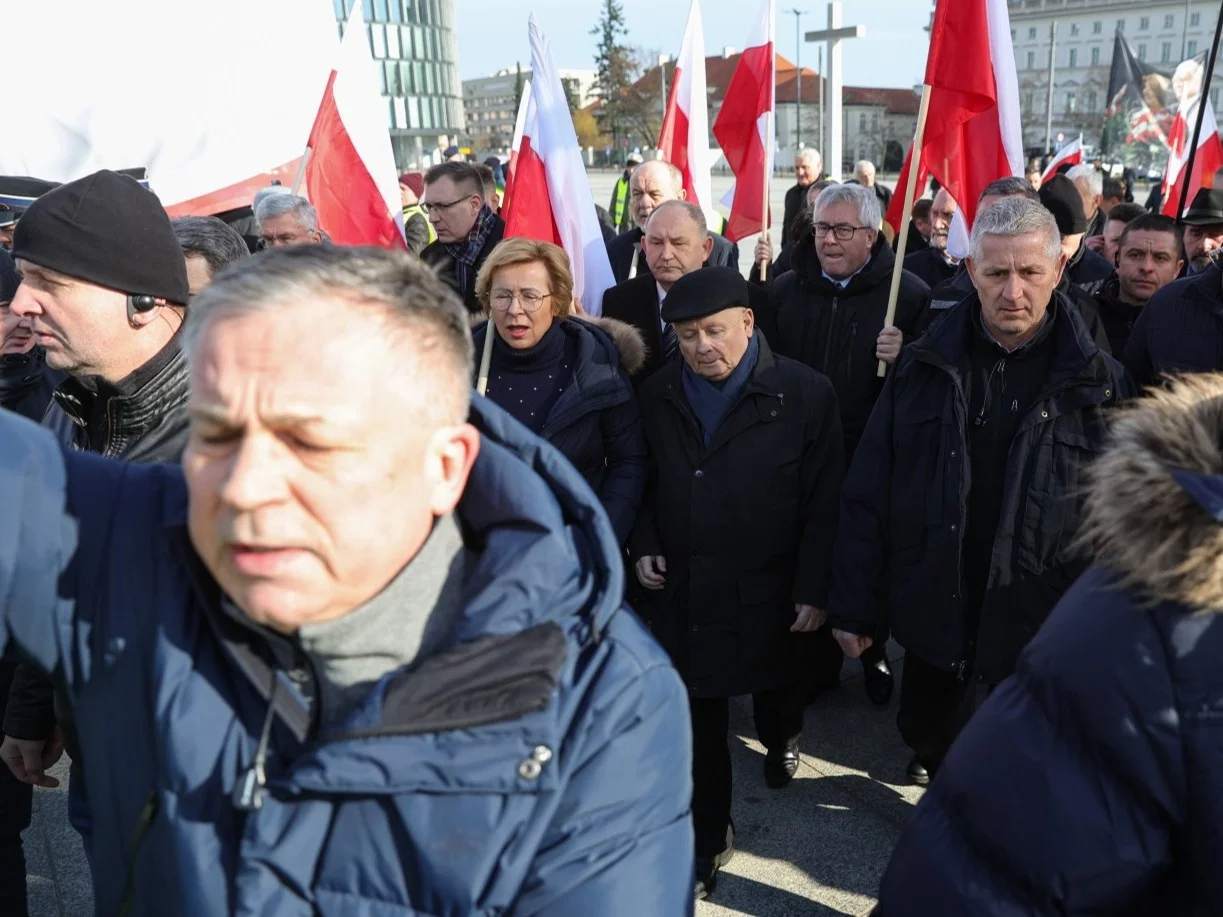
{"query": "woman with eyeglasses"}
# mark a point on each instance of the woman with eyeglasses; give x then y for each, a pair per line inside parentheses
(562, 374)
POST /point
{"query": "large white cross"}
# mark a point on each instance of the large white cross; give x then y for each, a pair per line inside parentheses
(834, 35)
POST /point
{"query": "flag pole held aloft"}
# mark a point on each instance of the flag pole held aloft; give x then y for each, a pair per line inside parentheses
(1203, 101)
(909, 191)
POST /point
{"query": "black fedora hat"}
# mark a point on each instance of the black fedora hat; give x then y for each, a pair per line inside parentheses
(1207, 208)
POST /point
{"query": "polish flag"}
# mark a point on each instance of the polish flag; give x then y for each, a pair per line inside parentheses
(350, 173)
(1071, 154)
(684, 141)
(744, 127)
(1209, 156)
(551, 198)
(973, 134)
(520, 124)
(895, 215)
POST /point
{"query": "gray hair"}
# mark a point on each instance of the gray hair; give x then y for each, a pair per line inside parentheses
(263, 193)
(1090, 174)
(412, 298)
(860, 196)
(277, 205)
(1015, 216)
(215, 241)
(1011, 186)
(675, 175)
(694, 213)
(863, 166)
(812, 154)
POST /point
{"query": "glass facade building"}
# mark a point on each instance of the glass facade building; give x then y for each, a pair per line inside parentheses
(415, 45)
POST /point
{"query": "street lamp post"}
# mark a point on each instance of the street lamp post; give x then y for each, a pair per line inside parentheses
(798, 82)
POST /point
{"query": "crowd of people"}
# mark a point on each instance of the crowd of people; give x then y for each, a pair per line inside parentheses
(356, 581)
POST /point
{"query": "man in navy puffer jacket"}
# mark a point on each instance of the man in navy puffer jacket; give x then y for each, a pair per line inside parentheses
(1091, 782)
(357, 656)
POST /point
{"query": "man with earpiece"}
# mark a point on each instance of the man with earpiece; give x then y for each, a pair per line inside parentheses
(104, 291)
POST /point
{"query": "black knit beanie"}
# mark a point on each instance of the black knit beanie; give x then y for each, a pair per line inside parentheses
(8, 277)
(107, 230)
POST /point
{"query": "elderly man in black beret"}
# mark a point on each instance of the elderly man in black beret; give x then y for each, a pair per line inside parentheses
(735, 539)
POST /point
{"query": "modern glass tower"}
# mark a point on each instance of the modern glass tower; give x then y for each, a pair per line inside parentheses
(416, 46)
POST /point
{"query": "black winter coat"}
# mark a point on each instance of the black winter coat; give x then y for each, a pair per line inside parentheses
(930, 266)
(796, 202)
(1116, 317)
(1091, 783)
(746, 524)
(595, 422)
(27, 384)
(834, 330)
(1180, 330)
(436, 256)
(904, 511)
(1089, 269)
(620, 253)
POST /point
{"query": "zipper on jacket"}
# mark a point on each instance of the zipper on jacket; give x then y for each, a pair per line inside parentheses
(832, 330)
(148, 813)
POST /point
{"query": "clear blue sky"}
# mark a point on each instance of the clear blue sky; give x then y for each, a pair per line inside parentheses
(493, 33)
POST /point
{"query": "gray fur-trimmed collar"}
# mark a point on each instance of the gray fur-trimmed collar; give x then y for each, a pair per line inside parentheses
(1138, 520)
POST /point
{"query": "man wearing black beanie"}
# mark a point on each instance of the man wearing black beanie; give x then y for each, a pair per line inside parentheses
(103, 293)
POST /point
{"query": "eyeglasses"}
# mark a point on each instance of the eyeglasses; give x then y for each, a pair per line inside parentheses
(531, 300)
(842, 232)
(426, 206)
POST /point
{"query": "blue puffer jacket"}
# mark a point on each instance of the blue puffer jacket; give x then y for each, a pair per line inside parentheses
(1091, 783)
(538, 764)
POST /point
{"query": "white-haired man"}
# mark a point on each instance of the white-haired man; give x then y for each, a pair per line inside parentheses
(808, 167)
(960, 510)
(864, 175)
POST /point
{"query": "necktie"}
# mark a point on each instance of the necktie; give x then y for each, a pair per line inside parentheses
(670, 343)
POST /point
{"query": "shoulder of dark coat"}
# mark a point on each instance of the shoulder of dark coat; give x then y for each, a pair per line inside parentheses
(803, 378)
(625, 339)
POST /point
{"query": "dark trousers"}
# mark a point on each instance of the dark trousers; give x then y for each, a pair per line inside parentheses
(16, 801)
(825, 658)
(779, 718)
(934, 706)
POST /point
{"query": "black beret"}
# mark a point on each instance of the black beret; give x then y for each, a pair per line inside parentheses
(704, 292)
(1207, 208)
(109, 231)
(1062, 199)
(8, 277)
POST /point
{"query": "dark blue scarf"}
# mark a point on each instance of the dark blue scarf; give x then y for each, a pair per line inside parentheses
(712, 401)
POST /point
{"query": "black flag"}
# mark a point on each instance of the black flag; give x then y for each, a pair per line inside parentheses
(1142, 93)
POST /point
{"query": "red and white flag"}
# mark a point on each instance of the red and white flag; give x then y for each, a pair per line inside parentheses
(520, 124)
(1209, 156)
(744, 127)
(895, 214)
(350, 176)
(551, 199)
(684, 141)
(973, 131)
(1069, 155)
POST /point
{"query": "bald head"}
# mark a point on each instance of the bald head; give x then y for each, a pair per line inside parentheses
(653, 183)
(677, 241)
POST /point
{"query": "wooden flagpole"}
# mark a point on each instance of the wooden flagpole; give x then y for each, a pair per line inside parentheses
(486, 357)
(909, 191)
(1203, 98)
(301, 169)
(764, 212)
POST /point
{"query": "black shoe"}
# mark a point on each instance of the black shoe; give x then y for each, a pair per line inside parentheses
(921, 772)
(707, 871)
(879, 680)
(781, 764)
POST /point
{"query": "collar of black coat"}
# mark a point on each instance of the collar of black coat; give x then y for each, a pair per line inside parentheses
(604, 346)
(1075, 354)
(546, 576)
(806, 262)
(21, 370)
(763, 381)
(1204, 289)
(135, 403)
(1143, 523)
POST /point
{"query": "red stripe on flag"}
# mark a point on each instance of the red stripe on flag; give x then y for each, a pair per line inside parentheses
(529, 211)
(747, 98)
(350, 207)
(896, 208)
(673, 139)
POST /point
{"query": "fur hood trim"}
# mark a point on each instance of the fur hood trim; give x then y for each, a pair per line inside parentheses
(628, 340)
(1139, 520)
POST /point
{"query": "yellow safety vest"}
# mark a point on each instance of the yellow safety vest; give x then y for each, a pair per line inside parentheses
(415, 210)
(621, 201)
